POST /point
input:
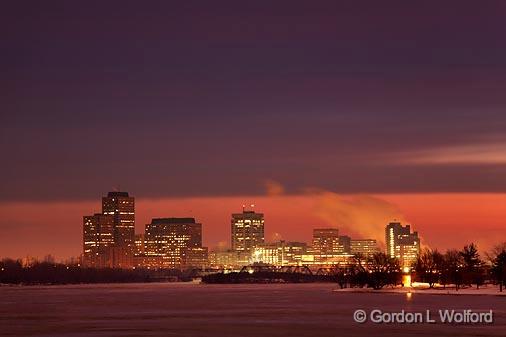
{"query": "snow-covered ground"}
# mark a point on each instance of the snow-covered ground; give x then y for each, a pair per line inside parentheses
(423, 288)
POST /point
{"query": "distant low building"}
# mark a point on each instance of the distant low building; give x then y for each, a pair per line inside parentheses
(327, 243)
(282, 253)
(363, 246)
(229, 259)
(196, 257)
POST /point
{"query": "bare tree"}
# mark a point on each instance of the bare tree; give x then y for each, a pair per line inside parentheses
(495, 251)
(383, 270)
(429, 266)
(452, 268)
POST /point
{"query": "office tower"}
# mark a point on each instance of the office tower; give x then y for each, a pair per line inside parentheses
(402, 244)
(363, 246)
(122, 207)
(247, 230)
(174, 243)
(326, 242)
(98, 240)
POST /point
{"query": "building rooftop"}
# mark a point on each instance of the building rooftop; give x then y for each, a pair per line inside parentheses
(247, 214)
(117, 194)
(172, 220)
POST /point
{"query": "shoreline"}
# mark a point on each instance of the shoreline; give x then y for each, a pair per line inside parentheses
(484, 291)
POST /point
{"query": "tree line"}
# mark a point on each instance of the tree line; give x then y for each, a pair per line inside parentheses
(14, 272)
(459, 268)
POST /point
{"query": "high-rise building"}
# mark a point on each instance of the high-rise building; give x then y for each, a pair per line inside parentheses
(122, 207)
(111, 234)
(402, 243)
(174, 243)
(98, 241)
(363, 246)
(247, 230)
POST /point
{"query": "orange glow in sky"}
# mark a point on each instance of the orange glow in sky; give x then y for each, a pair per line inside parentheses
(443, 220)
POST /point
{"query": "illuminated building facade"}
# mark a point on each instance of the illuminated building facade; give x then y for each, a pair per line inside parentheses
(293, 252)
(174, 243)
(402, 243)
(229, 259)
(247, 229)
(281, 253)
(326, 243)
(139, 245)
(363, 246)
(267, 253)
(314, 260)
(197, 257)
(122, 208)
(98, 241)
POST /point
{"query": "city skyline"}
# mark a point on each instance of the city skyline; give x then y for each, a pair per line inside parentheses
(261, 168)
(304, 211)
(110, 241)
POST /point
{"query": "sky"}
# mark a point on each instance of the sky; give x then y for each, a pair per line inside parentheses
(198, 107)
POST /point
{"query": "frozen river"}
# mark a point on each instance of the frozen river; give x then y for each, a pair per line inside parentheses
(177, 309)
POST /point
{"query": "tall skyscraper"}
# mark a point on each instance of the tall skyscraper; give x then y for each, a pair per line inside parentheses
(247, 230)
(111, 234)
(122, 207)
(98, 240)
(402, 244)
(175, 243)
